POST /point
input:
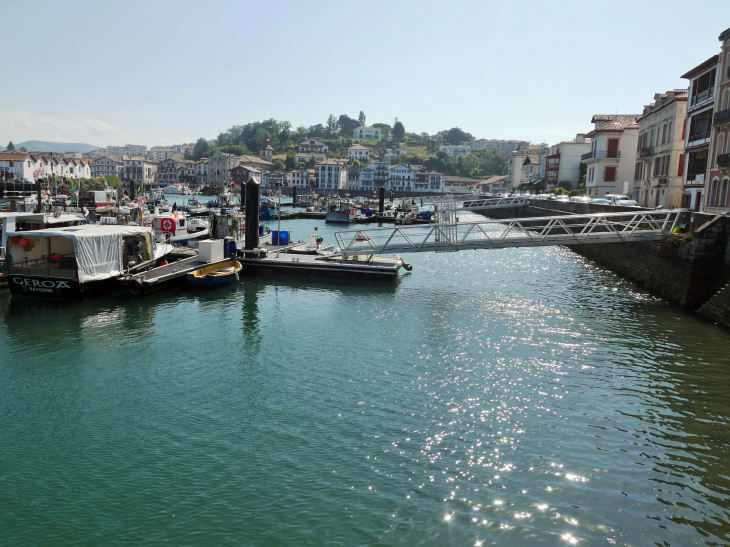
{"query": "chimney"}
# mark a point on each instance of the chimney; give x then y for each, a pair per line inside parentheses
(580, 138)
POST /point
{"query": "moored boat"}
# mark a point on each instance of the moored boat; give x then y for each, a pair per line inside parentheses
(215, 274)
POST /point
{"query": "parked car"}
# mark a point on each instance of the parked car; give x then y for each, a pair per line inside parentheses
(580, 199)
(613, 199)
(562, 197)
(627, 203)
(601, 201)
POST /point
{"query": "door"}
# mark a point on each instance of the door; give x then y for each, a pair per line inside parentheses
(612, 148)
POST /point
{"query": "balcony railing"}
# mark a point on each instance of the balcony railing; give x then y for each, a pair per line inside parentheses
(723, 160)
(698, 137)
(703, 97)
(721, 117)
(602, 155)
(646, 151)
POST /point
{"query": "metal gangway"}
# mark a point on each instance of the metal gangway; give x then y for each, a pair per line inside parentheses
(448, 235)
(470, 202)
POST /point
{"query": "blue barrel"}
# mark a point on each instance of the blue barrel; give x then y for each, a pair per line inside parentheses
(261, 230)
(279, 240)
(368, 212)
(230, 248)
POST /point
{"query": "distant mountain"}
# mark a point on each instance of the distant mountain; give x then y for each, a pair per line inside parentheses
(43, 146)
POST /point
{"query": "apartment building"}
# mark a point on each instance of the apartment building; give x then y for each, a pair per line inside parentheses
(367, 132)
(139, 170)
(358, 152)
(454, 150)
(329, 175)
(698, 129)
(401, 177)
(107, 165)
(562, 162)
(612, 159)
(718, 196)
(312, 145)
(659, 168)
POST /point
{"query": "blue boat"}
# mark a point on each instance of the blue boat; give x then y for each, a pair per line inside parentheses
(216, 274)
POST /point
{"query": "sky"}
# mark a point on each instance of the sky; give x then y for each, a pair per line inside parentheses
(158, 72)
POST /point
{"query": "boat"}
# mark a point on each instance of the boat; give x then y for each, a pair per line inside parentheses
(216, 274)
(176, 189)
(78, 262)
(178, 228)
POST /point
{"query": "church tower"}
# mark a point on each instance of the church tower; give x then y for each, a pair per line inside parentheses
(266, 152)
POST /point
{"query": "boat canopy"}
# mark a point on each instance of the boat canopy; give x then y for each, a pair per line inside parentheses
(99, 249)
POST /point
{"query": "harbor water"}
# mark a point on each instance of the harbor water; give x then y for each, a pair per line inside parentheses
(514, 397)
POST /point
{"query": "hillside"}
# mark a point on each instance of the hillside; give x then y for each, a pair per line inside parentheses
(44, 146)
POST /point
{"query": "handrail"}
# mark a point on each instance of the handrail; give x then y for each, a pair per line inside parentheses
(518, 232)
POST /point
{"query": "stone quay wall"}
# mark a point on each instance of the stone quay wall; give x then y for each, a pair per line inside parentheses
(695, 274)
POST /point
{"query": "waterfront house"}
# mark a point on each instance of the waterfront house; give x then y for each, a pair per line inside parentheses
(140, 170)
(698, 128)
(562, 162)
(381, 172)
(352, 176)
(329, 175)
(241, 174)
(401, 177)
(718, 198)
(659, 168)
(435, 182)
(611, 161)
(106, 165)
(300, 178)
(367, 179)
(303, 157)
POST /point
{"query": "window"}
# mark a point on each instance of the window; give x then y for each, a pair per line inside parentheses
(656, 167)
(669, 133)
(610, 174)
(722, 202)
(720, 145)
(713, 193)
(664, 133)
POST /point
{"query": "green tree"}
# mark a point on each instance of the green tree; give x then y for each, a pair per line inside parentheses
(113, 181)
(361, 118)
(316, 131)
(278, 164)
(456, 136)
(10, 146)
(291, 162)
(301, 133)
(200, 150)
(23, 149)
(331, 126)
(399, 132)
(356, 163)
(385, 129)
(347, 125)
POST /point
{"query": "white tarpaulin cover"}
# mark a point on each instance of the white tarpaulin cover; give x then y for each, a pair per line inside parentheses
(98, 248)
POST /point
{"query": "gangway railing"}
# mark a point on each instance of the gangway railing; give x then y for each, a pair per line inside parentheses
(469, 202)
(640, 226)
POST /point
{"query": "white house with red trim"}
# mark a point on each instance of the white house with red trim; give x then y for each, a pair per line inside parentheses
(612, 158)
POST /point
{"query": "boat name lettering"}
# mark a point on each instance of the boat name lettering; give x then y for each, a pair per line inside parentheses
(46, 284)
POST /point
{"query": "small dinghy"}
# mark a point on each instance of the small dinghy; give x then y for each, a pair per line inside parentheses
(217, 274)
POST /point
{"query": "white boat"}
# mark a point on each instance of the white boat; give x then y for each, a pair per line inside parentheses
(178, 228)
(176, 189)
(78, 262)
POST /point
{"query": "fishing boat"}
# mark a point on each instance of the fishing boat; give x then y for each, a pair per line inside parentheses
(216, 274)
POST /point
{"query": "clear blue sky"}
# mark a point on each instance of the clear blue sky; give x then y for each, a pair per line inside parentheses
(162, 72)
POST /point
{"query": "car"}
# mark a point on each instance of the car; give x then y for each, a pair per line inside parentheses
(627, 203)
(562, 197)
(600, 201)
(580, 199)
(615, 198)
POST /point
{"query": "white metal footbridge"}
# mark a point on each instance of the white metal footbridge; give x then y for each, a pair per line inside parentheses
(448, 235)
(470, 202)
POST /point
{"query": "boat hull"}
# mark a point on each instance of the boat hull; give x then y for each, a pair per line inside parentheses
(51, 288)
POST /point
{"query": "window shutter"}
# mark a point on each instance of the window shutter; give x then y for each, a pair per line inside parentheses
(684, 128)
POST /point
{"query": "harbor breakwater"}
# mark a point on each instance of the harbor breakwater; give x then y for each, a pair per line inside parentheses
(693, 271)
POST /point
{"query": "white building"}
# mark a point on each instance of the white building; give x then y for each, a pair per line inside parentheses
(435, 182)
(658, 172)
(367, 179)
(160, 153)
(563, 161)
(367, 132)
(106, 165)
(401, 177)
(300, 178)
(303, 157)
(219, 167)
(358, 152)
(201, 170)
(139, 170)
(312, 145)
(454, 150)
(329, 175)
(611, 161)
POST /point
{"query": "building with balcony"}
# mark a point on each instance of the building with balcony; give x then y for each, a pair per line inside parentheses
(420, 177)
(174, 170)
(381, 173)
(562, 161)
(454, 150)
(526, 166)
(698, 128)
(352, 178)
(312, 145)
(718, 193)
(219, 167)
(329, 175)
(106, 165)
(435, 182)
(611, 160)
(304, 157)
(300, 178)
(401, 177)
(140, 170)
(367, 132)
(358, 152)
(367, 178)
(659, 168)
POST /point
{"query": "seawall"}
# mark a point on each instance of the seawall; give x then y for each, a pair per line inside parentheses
(693, 273)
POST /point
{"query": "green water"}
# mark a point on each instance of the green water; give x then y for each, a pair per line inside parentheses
(512, 397)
